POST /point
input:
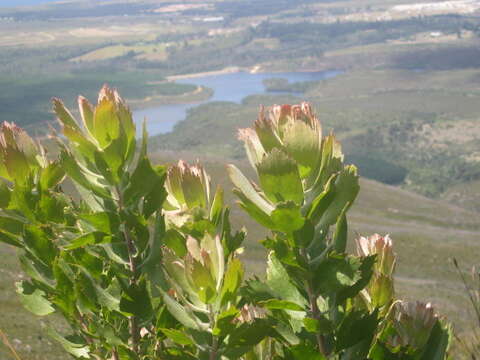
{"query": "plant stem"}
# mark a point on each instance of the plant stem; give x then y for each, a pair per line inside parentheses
(214, 347)
(134, 331)
(115, 354)
(312, 298)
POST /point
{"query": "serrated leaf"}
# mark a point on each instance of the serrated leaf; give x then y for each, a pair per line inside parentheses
(279, 281)
(40, 244)
(357, 326)
(34, 299)
(287, 217)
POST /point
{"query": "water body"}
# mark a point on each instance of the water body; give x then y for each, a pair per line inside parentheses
(233, 87)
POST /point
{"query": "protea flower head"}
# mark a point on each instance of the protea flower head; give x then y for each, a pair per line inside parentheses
(200, 272)
(292, 130)
(382, 246)
(110, 121)
(380, 290)
(295, 165)
(413, 323)
(19, 154)
(188, 187)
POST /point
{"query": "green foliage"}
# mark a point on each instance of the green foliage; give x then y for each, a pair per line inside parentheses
(142, 261)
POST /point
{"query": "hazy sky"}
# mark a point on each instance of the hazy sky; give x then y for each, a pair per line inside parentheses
(12, 3)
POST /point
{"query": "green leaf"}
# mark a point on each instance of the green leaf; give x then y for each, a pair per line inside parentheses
(217, 206)
(176, 242)
(106, 124)
(153, 253)
(105, 222)
(439, 342)
(345, 191)
(10, 239)
(247, 189)
(304, 352)
(318, 326)
(279, 281)
(225, 322)
(344, 275)
(287, 217)
(275, 304)
(89, 181)
(63, 115)
(51, 176)
(104, 298)
(137, 301)
(88, 239)
(357, 326)
(254, 211)
(180, 312)
(341, 231)
(34, 299)
(144, 180)
(232, 281)
(75, 347)
(40, 244)
(279, 178)
(177, 336)
(200, 278)
(4, 194)
(303, 144)
(245, 336)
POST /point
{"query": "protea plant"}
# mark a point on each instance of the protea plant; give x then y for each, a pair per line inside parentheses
(142, 263)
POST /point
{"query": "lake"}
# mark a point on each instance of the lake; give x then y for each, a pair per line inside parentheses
(232, 87)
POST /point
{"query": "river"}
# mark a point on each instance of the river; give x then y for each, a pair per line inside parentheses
(232, 87)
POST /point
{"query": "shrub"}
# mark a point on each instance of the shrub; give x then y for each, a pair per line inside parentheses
(143, 264)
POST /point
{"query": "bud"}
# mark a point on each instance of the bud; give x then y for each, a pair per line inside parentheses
(292, 129)
(380, 289)
(381, 246)
(199, 274)
(110, 121)
(188, 187)
(19, 154)
(413, 323)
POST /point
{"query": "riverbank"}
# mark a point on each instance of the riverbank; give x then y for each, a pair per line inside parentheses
(227, 70)
(201, 93)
